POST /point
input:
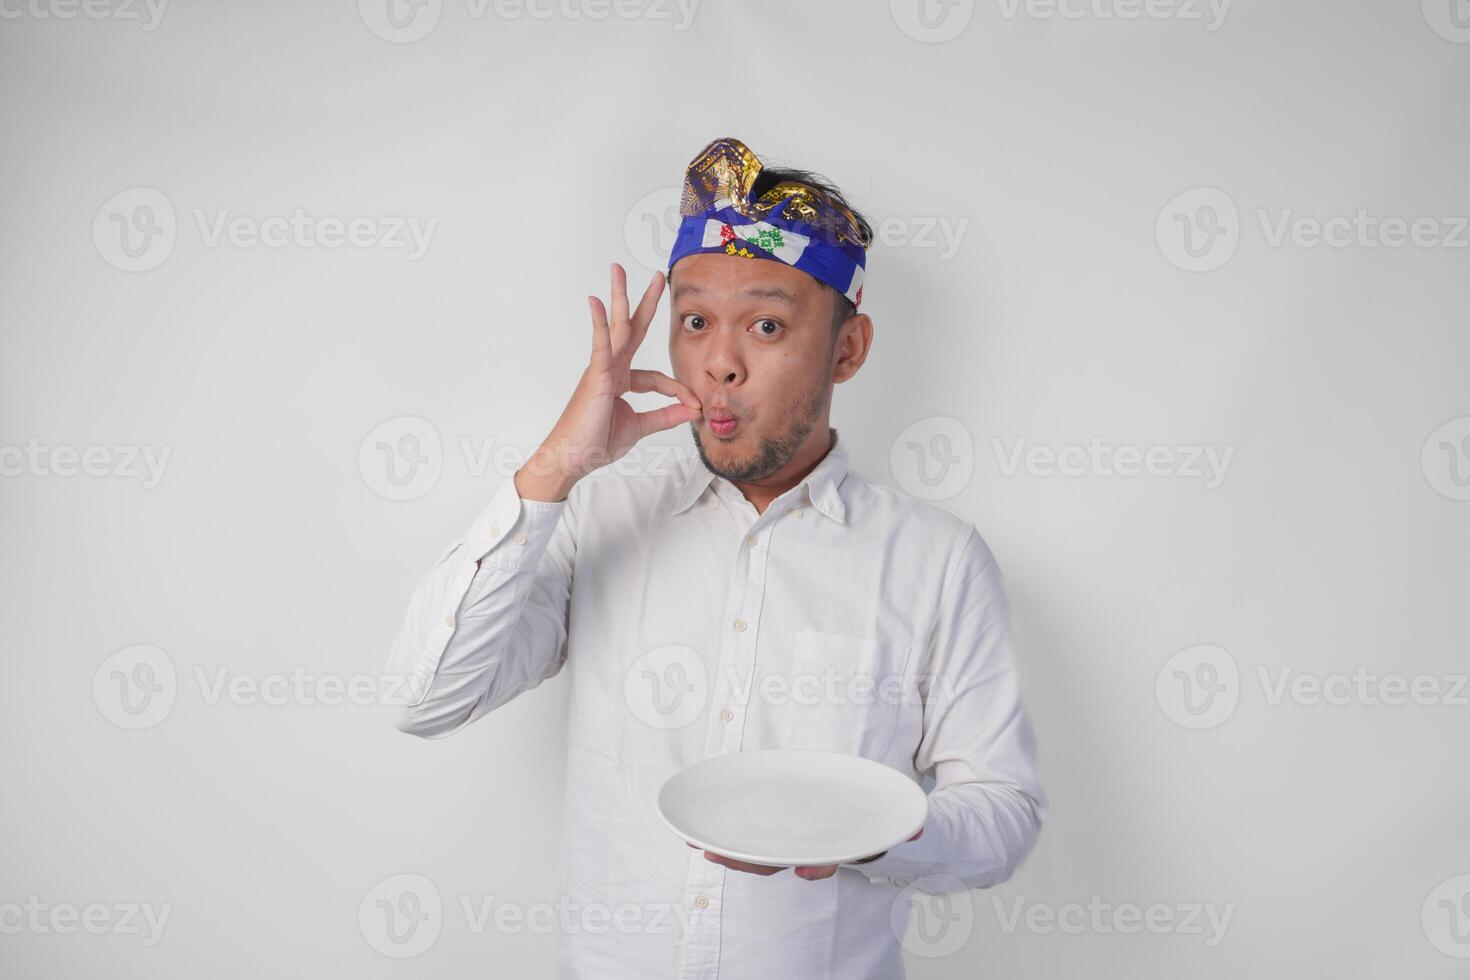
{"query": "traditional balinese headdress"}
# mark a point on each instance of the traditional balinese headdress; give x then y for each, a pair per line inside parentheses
(803, 226)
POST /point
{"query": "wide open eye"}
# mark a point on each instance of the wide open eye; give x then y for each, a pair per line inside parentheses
(694, 321)
(774, 325)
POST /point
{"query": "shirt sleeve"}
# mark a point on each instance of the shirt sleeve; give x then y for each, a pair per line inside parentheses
(489, 620)
(986, 807)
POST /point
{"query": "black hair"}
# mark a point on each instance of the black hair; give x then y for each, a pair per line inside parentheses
(771, 176)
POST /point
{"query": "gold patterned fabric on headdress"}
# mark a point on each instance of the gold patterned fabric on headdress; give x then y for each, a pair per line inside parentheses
(728, 169)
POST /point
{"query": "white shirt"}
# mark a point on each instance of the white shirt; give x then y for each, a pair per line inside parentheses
(690, 626)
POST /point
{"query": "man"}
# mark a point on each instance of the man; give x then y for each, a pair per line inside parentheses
(762, 595)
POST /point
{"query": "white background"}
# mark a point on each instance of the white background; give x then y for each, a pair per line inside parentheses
(1053, 144)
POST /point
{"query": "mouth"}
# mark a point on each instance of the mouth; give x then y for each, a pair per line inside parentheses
(722, 422)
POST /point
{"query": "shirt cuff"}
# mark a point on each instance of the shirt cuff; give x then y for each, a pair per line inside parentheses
(883, 868)
(895, 860)
(512, 530)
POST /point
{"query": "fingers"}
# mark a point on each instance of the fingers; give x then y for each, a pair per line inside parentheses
(811, 873)
(664, 418)
(817, 873)
(641, 380)
(622, 331)
(601, 334)
(647, 306)
(756, 869)
(619, 306)
(688, 409)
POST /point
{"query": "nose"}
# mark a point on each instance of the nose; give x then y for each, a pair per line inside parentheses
(724, 366)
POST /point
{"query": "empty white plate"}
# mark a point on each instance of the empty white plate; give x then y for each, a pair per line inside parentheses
(792, 807)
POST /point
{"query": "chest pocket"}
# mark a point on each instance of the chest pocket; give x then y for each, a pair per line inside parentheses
(844, 693)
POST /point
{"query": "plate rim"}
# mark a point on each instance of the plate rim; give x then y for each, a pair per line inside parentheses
(752, 858)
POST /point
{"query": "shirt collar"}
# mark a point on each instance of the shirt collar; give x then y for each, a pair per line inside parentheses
(821, 483)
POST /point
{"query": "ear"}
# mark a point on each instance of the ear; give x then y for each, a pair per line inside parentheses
(854, 340)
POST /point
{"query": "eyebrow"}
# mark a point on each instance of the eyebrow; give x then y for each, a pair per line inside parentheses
(759, 292)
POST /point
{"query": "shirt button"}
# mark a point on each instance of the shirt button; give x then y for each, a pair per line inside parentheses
(799, 512)
(727, 715)
(702, 902)
(520, 539)
(448, 620)
(495, 530)
(714, 502)
(740, 626)
(751, 540)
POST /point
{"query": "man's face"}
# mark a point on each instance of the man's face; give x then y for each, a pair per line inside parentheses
(752, 338)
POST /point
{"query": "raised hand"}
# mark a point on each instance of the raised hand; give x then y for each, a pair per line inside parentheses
(598, 426)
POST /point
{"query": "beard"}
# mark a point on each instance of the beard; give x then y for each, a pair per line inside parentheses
(774, 452)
